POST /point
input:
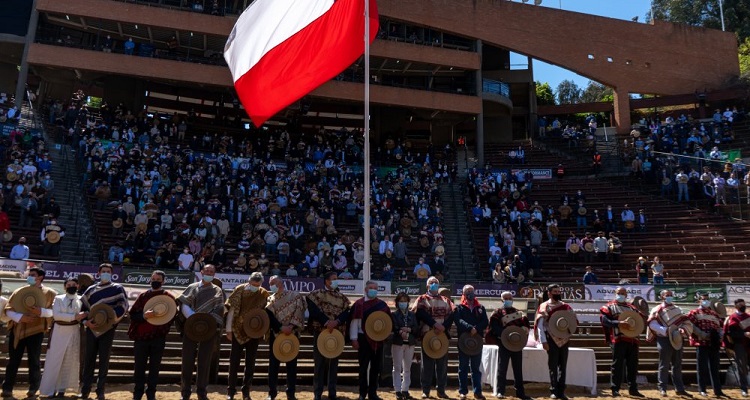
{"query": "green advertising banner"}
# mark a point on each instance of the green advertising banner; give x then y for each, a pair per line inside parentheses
(688, 294)
(135, 276)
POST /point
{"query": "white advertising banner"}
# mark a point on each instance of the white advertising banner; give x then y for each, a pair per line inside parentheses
(358, 287)
(607, 292)
(735, 292)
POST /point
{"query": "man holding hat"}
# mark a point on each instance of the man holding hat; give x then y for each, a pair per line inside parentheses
(370, 349)
(244, 297)
(508, 317)
(624, 345)
(149, 332)
(556, 343)
(200, 297)
(737, 331)
(98, 340)
(26, 329)
(62, 361)
(434, 311)
(471, 318)
(707, 341)
(329, 309)
(286, 309)
(667, 322)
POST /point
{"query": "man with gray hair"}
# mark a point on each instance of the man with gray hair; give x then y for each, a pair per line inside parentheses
(471, 319)
(244, 298)
(434, 311)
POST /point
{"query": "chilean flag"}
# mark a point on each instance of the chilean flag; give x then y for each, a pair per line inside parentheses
(281, 50)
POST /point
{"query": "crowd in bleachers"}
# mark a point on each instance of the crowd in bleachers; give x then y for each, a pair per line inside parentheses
(176, 196)
(689, 159)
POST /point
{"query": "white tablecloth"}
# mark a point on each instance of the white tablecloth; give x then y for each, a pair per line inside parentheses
(581, 367)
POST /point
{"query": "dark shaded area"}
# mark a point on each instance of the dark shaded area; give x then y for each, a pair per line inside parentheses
(14, 16)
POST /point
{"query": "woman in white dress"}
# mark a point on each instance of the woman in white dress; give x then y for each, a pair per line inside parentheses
(62, 361)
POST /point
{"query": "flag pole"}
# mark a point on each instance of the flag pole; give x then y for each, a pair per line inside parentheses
(366, 266)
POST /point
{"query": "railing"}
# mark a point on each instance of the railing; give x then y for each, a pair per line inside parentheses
(496, 87)
(196, 6)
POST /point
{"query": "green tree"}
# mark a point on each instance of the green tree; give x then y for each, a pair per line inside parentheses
(568, 92)
(744, 51)
(544, 95)
(705, 13)
(596, 92)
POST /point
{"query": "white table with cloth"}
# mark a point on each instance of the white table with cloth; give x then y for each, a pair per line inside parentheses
(581, 367)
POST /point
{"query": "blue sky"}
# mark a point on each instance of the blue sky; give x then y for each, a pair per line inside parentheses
(620, 9)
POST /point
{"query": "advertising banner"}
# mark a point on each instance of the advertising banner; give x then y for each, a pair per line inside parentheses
(134, 291)
(688, 294)
(607, 292)
(538, 173)
(357, 287)
(136, 276)
(587, 311)
(486, 289)
(228, 281)
(569, 292)
(410, 288)
(60, 272)
(6, 264)
(735, 292)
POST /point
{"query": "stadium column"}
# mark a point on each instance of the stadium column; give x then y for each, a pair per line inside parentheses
(622, 110)
(480, 117)
(24, 72)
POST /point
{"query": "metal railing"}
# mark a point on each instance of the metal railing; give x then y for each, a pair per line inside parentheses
(495, 87)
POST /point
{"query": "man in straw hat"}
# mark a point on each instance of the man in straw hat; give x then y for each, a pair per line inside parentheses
(245, 297)
(737, 332)
(434, 311)
(62, 361)
(26, 332)
(99, 343)
(329, 309)
(471, 317)
(149, 339)
(286, 309)
(370, 350)
(624, 347)
(707, 341)
(502, 318)
(664, 318)
(200, 297)
(557, 347)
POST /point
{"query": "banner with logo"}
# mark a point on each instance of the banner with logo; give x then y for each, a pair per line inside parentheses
(735, 292)
(587, 312)
(410, 288)
(688, 294)
(569, 292)
(607, 292)
(7, 264)
(60, 271)
(134, 291)
(537, 173)
(228, 281)
(136, 276)
(357, 287)
(486, 289)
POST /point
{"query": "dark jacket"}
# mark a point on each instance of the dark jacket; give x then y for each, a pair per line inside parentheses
(466, 319)
(410, 321)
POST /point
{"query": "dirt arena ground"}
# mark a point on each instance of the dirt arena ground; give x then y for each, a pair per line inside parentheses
(216, 392)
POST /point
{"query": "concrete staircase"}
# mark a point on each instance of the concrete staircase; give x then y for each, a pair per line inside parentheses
(458, 246)
(80, 244)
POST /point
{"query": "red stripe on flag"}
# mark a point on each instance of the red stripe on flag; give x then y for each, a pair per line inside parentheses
(306, 60)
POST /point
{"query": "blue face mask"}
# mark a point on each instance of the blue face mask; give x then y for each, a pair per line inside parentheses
(668, 299)
(434, 287)
(208, 278)
(372, 293)
(403, 305)
(621, 298)
(105, 277)
(252, 288)
(31, 280)
(508, 303)
(334, 285)
(274, 289)
(705, 303)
